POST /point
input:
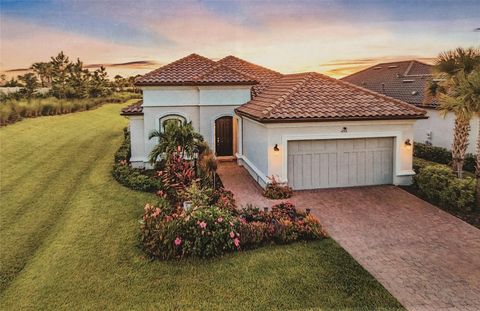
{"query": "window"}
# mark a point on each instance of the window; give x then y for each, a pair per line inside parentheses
(173, 118)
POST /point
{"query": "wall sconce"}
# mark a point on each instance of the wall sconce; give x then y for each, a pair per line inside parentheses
(275, 148)
(408, 144)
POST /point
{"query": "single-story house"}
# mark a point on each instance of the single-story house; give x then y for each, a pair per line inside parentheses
(407, 81)
(306, 129)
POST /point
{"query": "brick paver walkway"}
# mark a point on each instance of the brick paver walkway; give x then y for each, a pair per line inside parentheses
(428, 259)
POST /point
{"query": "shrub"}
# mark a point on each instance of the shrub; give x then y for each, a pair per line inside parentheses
(136, 179)
(203, 232)
(419, 164)
(277, 190)
(441, 155)
(439, 185)
(252, 234)
(223, 199)
(176, 177)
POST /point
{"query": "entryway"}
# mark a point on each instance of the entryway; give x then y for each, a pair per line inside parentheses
(224, 136)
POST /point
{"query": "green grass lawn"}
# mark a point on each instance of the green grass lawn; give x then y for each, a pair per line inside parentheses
(69, 238)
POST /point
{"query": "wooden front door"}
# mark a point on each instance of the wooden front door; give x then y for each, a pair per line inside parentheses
(224, 136)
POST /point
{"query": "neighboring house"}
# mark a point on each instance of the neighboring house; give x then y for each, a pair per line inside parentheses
(407, 81)
(306, 129)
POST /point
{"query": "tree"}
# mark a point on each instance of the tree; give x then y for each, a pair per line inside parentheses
(175, 137)
(3, 79)
(60, 64)
(44, 72)
(453, 68)
(77, 80)
(12, 83)
(30, 83)
(99, 84)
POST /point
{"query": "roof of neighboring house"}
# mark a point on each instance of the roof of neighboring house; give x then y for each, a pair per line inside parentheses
(315, 97)
(405, 80)
(194, 70)
(134, 109)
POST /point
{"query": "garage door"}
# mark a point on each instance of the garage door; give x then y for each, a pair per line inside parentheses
(340, 163)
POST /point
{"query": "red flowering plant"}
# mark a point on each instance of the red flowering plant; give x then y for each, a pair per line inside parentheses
(277, 190)
(209, 232)
(177, 175)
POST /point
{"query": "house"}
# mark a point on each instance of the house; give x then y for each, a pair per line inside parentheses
(306, 129)
(408, 81)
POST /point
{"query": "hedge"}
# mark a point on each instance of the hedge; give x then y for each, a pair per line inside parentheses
(441, 155)
(440, 186)
(133, 178)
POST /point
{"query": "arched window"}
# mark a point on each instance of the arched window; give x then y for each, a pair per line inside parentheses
(171, 118)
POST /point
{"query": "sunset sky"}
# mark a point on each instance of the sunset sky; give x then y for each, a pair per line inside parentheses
(333, 37)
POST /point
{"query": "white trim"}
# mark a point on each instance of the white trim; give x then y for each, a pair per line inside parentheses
(406, 173)
(212, 126)
(252, 166)
(138, 159)
(397, 135)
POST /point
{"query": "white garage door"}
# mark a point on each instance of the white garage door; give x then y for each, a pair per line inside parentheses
(340, 163)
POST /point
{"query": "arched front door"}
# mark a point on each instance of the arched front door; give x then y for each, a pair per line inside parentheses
(224, 136)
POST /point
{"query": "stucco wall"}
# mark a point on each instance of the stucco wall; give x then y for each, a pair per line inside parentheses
(200, 105)
(137, 141)
(442, 130)
(255, 149)
(261, 152)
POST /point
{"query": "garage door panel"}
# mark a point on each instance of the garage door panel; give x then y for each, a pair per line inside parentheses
(340, 163)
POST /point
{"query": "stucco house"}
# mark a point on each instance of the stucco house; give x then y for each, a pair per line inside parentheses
(407, 81)
(306, 129)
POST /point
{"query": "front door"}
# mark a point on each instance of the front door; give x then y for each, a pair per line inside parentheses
(224, 136)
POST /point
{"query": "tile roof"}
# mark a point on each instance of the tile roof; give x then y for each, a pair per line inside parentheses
(194, 70)
(316, 97)
(263, 75)
(133, 109)
(405, 80)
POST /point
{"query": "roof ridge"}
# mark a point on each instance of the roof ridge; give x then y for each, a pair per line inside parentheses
(250, 63)
(176, 62)
(285, 96)
(216, 66)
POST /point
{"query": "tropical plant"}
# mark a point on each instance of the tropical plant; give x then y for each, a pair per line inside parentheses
(457, 71)
(175, 137)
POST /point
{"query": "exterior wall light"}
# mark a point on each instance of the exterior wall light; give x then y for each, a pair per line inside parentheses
(408, 144)
(275, 148)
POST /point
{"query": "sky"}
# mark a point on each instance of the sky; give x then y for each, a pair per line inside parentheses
(335, 37)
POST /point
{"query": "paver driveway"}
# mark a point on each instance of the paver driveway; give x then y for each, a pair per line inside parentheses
(428, 259)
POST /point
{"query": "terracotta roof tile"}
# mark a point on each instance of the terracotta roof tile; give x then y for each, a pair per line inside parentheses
(316, 97)
(224, 74)
(195, 70)
(405, 80)
(263, 75)
(134, 109)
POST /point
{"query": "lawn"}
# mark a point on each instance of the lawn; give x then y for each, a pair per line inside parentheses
(69, 238)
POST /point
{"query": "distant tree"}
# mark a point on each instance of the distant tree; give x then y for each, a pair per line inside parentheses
(77, 80)
(30, 83)
(99, 84)
(60, 64)
(3, 79)
(44, 72)
(120, 82)
(12, 83)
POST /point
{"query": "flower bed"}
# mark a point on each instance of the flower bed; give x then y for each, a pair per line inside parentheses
(211, 231)
(276, 190)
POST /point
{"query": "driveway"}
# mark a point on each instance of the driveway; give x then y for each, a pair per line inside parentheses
(427, 259)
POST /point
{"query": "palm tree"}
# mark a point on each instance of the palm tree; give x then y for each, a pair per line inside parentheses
(453, 68)
(175, 137)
